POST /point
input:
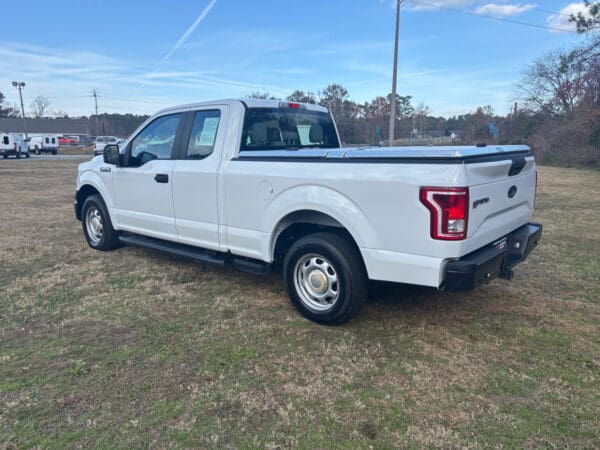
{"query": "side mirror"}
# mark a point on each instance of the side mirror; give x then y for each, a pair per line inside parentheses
(111, 155)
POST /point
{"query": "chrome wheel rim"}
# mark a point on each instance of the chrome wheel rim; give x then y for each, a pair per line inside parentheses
(94, 225)
(317, 282)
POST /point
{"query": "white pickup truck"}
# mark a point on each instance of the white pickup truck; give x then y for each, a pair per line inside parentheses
(265, 184)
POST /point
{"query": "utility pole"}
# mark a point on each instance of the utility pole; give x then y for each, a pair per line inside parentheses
(20, 85)
(95, 95)
(392, 133)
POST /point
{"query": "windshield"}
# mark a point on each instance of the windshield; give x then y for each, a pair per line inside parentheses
(287, 129)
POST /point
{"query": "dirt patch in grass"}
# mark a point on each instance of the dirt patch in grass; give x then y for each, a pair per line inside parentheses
(133, 348)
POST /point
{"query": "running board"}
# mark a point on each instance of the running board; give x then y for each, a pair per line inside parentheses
(173, 248)
(198, 254)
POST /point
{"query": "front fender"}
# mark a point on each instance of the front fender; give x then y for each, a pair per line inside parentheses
(91, 178)
(324, 200)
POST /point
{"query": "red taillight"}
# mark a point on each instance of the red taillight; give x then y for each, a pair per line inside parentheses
(294, 105)
(449, 209)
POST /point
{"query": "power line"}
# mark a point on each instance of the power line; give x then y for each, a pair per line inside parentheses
(504, 19)
(135, 99)
(68, 96)
(516, 22)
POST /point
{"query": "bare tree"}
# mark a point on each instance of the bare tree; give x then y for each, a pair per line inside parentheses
(420, 114)
(302, 97)
(39, 106)
(554, 83)
(7, 111)
(261, 95)
(588, 61)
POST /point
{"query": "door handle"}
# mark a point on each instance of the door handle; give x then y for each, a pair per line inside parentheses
(161, 178)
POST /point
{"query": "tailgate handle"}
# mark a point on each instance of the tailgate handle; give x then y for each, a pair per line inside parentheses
(518, 162)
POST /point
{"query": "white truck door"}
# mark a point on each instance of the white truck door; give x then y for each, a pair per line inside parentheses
(195, 178)
(142, 188)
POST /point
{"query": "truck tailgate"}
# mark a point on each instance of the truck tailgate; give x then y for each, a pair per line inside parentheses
(502, 196)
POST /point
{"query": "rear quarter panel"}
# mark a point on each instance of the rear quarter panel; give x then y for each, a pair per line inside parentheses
(378, 203)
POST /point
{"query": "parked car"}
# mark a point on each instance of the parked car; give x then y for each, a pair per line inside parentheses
(89, 140)
(265, 184)
(65, 140)
(9, 146)
(101, 142)
(41, 144)
(21, 144)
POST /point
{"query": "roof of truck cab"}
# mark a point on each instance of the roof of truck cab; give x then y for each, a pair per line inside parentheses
(249, 102)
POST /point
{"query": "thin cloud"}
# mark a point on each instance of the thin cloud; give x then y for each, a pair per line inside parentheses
(493, 9)
(191, 29)
(431, 5)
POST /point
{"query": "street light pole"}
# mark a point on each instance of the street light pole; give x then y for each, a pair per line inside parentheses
(20, 85)
(392, 133)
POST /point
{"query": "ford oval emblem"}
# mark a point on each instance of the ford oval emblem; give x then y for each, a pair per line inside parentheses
(512, 191)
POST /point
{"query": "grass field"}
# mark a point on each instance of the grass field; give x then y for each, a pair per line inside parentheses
(137, 349)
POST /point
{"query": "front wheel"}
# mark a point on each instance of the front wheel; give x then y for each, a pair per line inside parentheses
(97, 226)
(325, 278)
(37, 150)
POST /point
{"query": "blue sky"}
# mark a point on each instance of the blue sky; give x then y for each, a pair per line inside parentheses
(143, 55)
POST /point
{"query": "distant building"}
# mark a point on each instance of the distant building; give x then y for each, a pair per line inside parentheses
(45, 125)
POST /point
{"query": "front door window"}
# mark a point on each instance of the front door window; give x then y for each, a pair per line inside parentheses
(155, 141)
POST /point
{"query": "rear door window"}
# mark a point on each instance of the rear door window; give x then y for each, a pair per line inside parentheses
(5, 140)
(203, 135)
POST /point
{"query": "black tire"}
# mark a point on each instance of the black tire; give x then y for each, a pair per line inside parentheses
(27, 155)
(5, 156)
(37, 150)
(345, 262)
(54, 152)
(109, 239)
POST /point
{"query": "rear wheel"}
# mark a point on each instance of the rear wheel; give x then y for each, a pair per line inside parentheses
(97, 226)
(325, 278)
(36, 150)
(54, 152)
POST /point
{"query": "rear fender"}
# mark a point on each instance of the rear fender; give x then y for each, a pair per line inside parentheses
(323, 200)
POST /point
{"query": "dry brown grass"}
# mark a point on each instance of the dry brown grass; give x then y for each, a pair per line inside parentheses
(137, 349)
